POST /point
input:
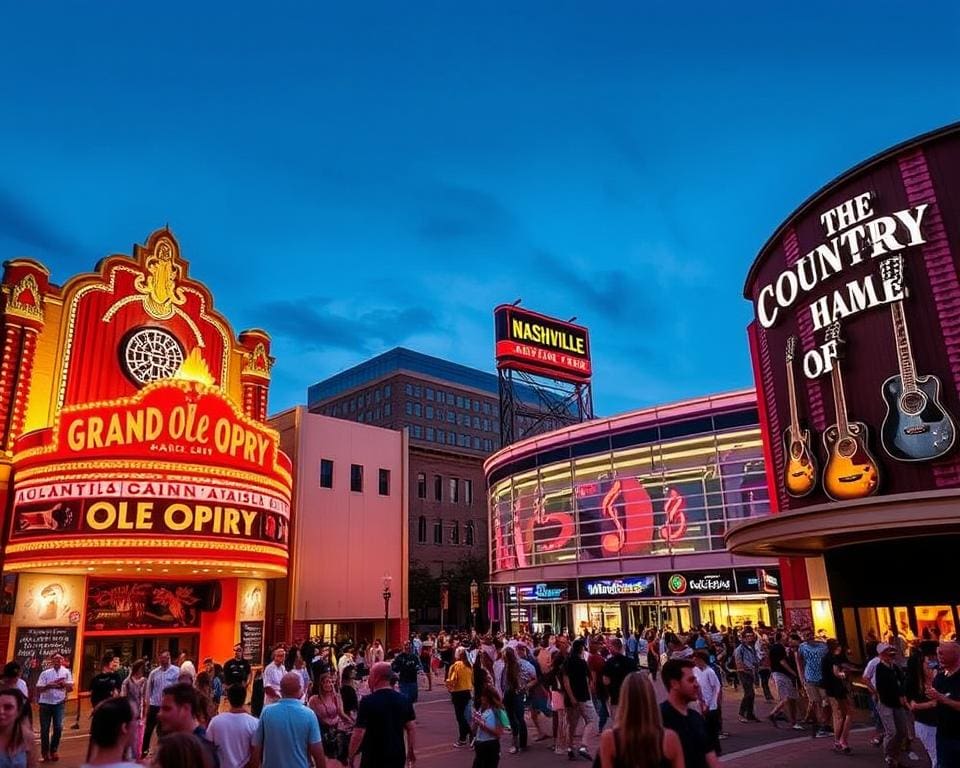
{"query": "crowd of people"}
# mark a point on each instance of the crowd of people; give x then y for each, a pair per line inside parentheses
(593, 697)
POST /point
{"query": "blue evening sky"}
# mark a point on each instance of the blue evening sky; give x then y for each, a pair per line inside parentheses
(356, 176)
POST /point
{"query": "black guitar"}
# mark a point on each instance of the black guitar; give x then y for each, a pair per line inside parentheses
(917, 427)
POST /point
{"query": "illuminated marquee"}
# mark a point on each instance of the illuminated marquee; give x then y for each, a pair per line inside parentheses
(177, 463)
(542, 345)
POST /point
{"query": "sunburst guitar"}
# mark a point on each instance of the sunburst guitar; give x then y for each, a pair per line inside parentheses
(800, 466)
(917, 427)
(851, 472)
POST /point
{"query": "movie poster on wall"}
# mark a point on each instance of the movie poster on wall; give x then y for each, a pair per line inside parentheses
(45, 599)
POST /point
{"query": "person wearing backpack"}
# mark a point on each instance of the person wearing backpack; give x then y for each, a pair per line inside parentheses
(488, 720)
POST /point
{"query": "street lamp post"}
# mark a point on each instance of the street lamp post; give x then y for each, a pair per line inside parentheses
(386, 610)
(444, 598)
(474, 600)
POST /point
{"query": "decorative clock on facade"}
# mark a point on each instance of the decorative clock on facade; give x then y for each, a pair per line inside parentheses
(149, 354)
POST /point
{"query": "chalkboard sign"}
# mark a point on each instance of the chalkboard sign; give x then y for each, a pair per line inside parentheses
(35, 645)
(251, 638)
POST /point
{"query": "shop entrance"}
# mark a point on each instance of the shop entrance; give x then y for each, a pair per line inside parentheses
(675, 614)
(129, 648)
(735, 611)
(602, 617)
(884, 623)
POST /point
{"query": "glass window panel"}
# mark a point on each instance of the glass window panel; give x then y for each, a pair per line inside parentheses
(553, 524)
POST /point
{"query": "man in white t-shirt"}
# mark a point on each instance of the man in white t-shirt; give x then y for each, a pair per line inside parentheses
(870, 680)
(709, 704)
(272, 675)
(233, 731)
(53, 685)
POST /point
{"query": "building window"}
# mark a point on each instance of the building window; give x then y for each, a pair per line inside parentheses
(417, 391)
(429, 393)
(326, 473)
(486, 408)
(441, 437)
(408, 408)
(387, 409)
(476, 443)
(438, 532)
(455, 533)
(430, 435)
(451, 438)
(408, 389)
(451, 417)
(468, 492)
(422, 489)
(384, 482)
(422, 530)
(476, 406)
(417, 431)
(417, 410)
(486, 425)
(459, 402)
(356, 478)
(467, 533)
(454, 486)
(476, 422)
(387, 391)
(437, 488)
(377, 395)
(429, 411)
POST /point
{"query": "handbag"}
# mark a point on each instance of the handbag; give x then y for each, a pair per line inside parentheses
(556, 701)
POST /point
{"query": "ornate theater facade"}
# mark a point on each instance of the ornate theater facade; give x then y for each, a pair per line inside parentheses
(147, 501)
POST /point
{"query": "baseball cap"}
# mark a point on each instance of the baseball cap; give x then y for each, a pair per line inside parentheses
(884, 647)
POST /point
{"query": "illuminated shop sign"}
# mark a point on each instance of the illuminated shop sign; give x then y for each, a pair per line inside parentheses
(543, 345)
(530, 593)
(856, 342)
(752, 580)
(635, 586)
(697, 583)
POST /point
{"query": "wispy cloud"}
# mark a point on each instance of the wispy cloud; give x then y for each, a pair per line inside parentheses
(20, 224)
(314, 323)
(458, 213)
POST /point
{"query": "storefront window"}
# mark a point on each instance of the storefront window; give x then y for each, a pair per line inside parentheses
(742, 476)
(596, 616)
(732, 611)
(659, 498)
(823, 617)
(553, 527)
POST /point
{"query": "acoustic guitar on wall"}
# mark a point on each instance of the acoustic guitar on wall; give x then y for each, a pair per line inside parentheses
(917, 427)
(851, 472)
(800, 466)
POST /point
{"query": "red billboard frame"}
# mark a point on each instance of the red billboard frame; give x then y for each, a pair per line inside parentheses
(564, 356)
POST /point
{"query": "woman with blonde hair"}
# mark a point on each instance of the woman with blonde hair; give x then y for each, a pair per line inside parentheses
(460, 685)
(638, 739)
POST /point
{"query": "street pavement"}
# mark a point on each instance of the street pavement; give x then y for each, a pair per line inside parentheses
(756, 745)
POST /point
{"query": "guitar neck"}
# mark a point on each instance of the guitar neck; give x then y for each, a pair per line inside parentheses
(836, 379)
(908, 372)
(792, 392)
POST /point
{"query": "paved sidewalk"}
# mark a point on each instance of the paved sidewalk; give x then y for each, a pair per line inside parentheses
(752, 745)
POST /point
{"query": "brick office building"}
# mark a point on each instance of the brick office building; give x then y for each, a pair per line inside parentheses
(451, 414)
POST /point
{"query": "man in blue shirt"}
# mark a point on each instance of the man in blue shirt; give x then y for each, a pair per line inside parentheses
(810, 656)
(289, 733)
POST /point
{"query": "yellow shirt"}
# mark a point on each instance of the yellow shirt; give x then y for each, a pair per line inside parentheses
(460, 677)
